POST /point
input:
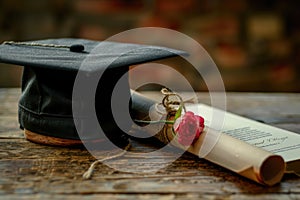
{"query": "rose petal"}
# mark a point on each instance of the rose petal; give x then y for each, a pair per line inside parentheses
(201, 120)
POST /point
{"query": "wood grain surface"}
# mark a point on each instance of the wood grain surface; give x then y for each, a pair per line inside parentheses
(32, 171)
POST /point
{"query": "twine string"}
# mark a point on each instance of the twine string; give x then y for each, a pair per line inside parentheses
(171, 106)
(171, 103)
(88, 174)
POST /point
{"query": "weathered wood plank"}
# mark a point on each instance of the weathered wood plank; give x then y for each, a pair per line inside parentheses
(30, 168)
(29, 171)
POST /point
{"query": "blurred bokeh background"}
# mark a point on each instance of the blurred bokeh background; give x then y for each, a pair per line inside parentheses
(255, 43)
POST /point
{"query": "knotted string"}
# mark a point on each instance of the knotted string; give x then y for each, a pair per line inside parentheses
(171, 103)
(88, 174)
(171, 106)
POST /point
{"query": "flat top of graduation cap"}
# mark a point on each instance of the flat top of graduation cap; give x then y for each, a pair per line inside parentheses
(68, 54)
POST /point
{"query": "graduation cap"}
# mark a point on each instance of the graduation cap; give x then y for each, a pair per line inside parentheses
(50, 69)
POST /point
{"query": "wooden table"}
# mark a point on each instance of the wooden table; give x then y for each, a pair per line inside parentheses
(29, 171)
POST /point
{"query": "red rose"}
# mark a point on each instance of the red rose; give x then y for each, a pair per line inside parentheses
(188, 127)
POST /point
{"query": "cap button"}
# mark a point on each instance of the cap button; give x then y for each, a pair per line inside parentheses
(77, 48)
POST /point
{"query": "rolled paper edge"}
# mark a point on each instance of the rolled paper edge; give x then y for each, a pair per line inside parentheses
(272, 170)
(247, 160)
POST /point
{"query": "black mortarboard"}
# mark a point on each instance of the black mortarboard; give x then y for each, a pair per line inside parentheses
(50, 69)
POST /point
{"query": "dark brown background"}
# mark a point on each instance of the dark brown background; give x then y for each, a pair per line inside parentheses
(255, 44)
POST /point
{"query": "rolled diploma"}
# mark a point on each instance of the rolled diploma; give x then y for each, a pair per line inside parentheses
(238, 156)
